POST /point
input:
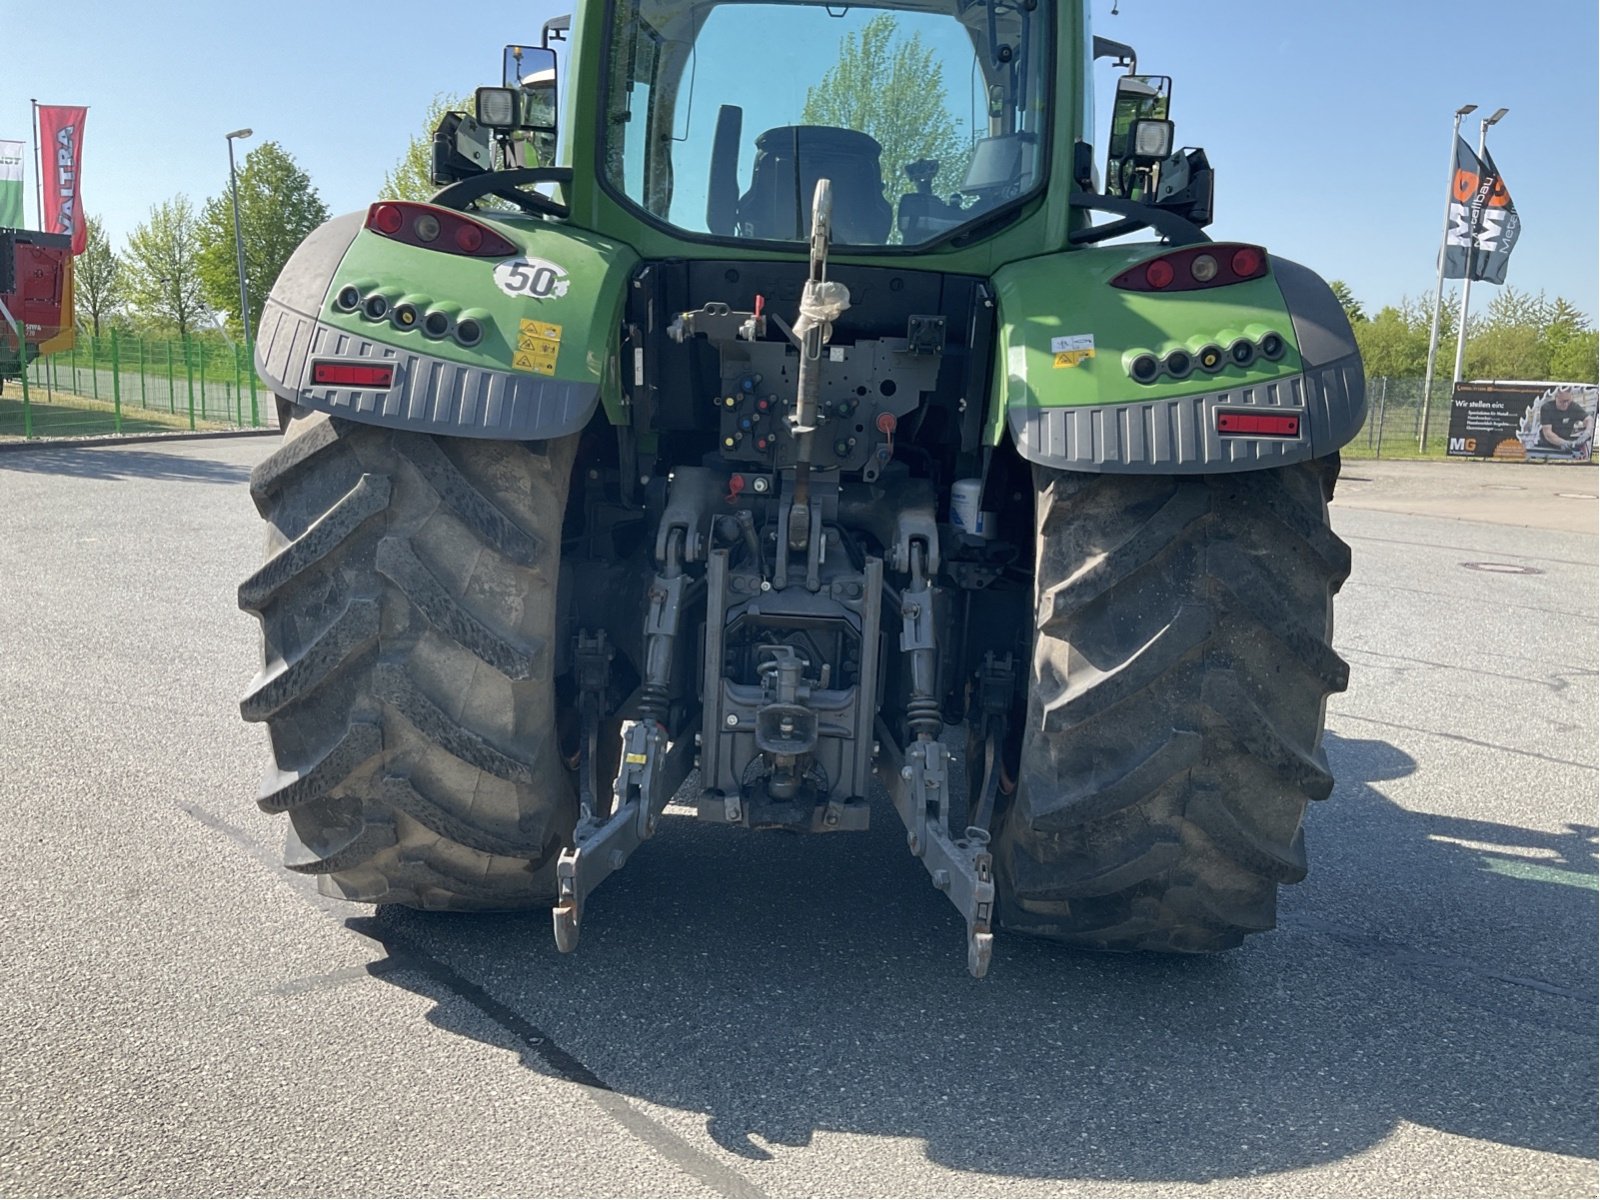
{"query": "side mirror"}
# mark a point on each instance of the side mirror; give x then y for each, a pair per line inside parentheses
(531, 71)
(1141, 134)
(529, 74)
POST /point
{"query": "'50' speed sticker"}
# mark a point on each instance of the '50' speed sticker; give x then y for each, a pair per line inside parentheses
(536, 278)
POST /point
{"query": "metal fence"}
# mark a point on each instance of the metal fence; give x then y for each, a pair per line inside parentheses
(118, 384)
(1398, 424)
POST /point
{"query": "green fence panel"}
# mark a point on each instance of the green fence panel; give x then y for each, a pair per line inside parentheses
(116, 385)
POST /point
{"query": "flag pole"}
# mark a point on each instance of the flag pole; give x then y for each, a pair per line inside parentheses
(1472, 250)
(1438, 287)
(38, 169)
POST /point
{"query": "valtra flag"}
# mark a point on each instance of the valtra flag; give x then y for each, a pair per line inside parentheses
(1483, 222)
(10, 185)
(61, 152)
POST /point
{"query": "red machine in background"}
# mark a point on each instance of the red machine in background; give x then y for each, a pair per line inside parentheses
(36, 297)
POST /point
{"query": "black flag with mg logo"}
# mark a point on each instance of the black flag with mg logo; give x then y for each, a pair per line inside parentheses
(1483, 222)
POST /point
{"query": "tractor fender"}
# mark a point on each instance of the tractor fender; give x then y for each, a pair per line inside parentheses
(1069, 342)
(545, 357)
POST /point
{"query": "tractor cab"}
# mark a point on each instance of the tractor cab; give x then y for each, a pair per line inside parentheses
(717, 121)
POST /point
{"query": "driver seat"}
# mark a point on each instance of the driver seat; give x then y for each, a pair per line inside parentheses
(789, 161)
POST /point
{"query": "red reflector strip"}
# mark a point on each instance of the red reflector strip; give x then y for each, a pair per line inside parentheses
(1258, 424)
(352, 375)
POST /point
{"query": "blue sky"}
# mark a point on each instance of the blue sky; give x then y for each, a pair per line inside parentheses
(1328, 123)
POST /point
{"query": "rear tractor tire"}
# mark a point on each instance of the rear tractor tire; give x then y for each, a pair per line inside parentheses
(1181, 668)
(407, 610)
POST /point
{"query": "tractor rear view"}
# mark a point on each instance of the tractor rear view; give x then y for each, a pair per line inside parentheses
(739, 447)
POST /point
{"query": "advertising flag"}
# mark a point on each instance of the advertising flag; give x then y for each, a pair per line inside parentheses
(1498, 230)
(61, 151)
(10, 185)
(1483, 222)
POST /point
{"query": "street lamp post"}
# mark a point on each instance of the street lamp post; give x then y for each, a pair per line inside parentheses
(238, 239)
(1438, 289)
(1472, 249)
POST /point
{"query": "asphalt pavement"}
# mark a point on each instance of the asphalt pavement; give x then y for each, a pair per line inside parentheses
(761, 1014)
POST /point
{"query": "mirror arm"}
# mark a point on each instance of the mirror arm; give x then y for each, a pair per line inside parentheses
(1135, 214)
(1121, 52)
(555, 30)
(499, 183)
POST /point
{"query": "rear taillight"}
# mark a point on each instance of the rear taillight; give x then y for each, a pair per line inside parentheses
(436, 229)
(1247, 262)
(385, 219)
(356, 375)
(1196, 267)
(1251, 424)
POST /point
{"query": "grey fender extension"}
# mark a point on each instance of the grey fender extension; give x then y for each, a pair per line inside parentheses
(429, 395)
(1179, 436)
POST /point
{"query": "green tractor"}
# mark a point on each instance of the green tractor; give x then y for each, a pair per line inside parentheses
(716, 439)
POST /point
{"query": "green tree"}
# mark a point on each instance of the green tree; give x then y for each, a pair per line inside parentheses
(97, 275)
(892, 88)
(1507, 340)
(1395, 341)
(1347, 301)
(412, 177)
(162, 265)
(278, 207)
(1577, 358)
(1569, 342)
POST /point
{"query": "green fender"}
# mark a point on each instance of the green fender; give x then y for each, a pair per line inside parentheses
(549, 317)
(1069, 341)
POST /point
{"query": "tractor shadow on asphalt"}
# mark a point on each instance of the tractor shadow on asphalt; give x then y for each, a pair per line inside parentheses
(121, 462)
(784, 986)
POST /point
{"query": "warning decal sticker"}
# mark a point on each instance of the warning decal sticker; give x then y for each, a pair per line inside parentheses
(538, 346)
(1071, 350)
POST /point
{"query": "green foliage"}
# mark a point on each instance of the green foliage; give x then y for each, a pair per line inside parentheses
(1523, 335)
(161, 266)
(1347, 301)
(892, 88)
(412, 177)
(97, 276)
(278, 207)
(1519, 335)
(1574, 348)
(1395, 341)
(1577, 359)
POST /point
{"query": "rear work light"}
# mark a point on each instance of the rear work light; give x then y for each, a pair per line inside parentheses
(354, 375)
(1216, 264)
(1251, 424)
(436, 229)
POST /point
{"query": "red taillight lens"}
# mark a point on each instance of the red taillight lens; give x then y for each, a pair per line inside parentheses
(1252, 424)
(1196, 267)
(385, 219)
(360, 375)
(1246, 262)
(436, 229)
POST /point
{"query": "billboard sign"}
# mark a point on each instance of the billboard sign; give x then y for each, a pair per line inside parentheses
(1524, 422)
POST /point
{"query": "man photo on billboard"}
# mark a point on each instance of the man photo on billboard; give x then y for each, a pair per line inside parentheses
(1563, 422)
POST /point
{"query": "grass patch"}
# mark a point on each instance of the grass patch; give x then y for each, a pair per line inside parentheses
(66, 414)
(1397, 448)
